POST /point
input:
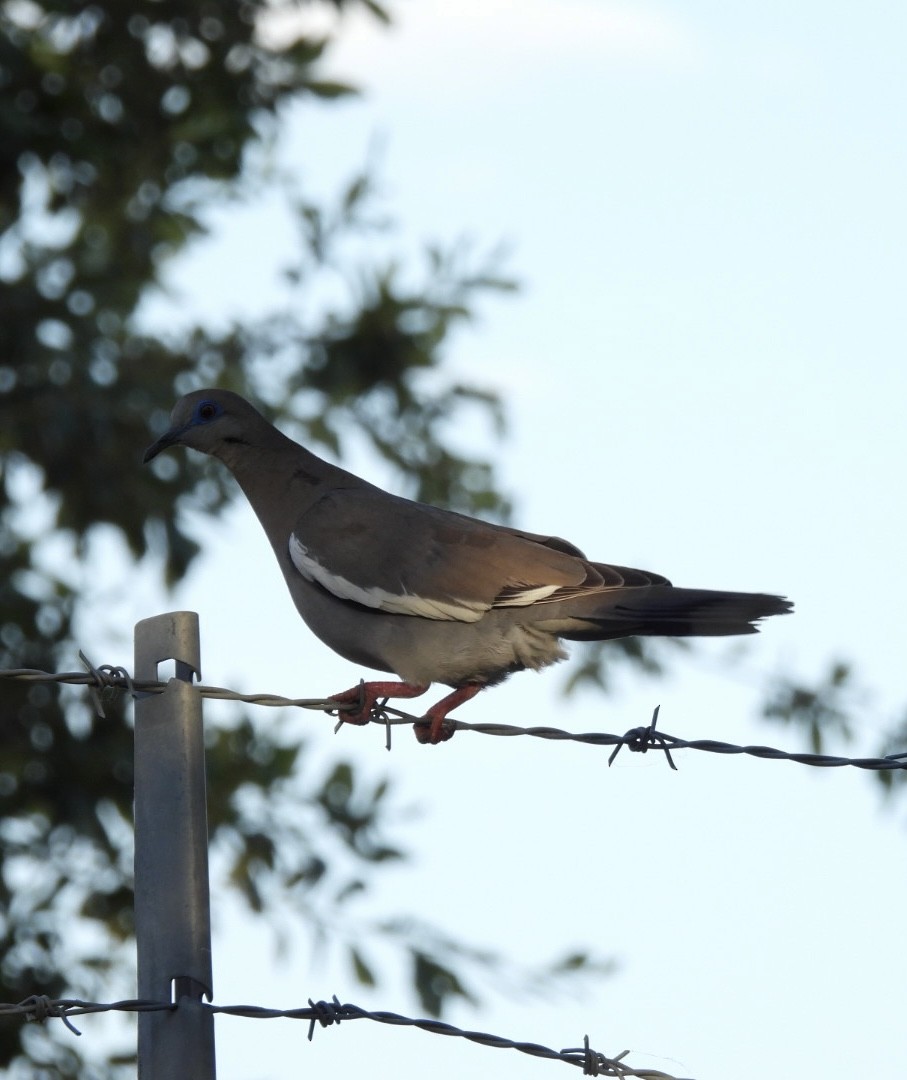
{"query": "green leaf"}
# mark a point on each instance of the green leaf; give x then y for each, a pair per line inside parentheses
(330, 89)
(361, 969)
(436, 983)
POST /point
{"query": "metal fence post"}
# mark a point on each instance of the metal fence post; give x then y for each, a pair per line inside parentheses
(172, 911)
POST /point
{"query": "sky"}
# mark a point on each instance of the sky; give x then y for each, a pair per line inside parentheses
(704, 376)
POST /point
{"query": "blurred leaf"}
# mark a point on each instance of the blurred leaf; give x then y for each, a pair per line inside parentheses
(894, 742)
(824, 710)
(581, 963)
(325, 88)
(352, 888)
(362, 971)
(436, 984)
(596, 663)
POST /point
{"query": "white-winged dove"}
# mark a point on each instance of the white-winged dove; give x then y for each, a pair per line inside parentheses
(428, 594)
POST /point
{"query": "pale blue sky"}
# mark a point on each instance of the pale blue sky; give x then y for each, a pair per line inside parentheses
(705, 375)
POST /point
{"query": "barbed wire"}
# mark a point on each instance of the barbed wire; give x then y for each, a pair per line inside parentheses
(39, 1009)
(638, 739)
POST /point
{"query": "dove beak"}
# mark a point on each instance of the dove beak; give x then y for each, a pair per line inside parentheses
(169, 438)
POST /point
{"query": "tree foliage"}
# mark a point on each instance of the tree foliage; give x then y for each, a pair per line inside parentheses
(120, 124)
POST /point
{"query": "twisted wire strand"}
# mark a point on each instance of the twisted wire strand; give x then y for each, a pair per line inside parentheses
(639, 739)
(327, 1013)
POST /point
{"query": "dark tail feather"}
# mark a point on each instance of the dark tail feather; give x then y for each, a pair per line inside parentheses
(666, 611)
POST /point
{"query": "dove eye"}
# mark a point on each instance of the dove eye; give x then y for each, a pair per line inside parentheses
(206, 411)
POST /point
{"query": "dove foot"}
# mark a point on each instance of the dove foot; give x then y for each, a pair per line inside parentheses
(367, 695)
(438, 728)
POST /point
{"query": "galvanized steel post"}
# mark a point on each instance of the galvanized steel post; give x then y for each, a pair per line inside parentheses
(172, 910)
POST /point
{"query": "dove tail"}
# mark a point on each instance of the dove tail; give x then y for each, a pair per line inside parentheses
(664, 610)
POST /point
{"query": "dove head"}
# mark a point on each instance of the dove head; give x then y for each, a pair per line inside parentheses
(210, 421)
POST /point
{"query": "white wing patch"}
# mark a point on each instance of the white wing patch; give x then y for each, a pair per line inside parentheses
(380, 599)
(525, 597)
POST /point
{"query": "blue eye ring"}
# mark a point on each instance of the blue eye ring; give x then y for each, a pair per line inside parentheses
(206, 411)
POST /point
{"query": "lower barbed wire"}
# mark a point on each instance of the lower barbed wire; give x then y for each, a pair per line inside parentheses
(40, 1009)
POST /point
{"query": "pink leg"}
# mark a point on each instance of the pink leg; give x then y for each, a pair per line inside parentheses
(369, 694)
(438, 731)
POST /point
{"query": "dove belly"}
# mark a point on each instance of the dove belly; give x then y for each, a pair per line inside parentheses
(420, 650)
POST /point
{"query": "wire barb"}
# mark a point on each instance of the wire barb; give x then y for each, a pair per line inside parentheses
(641, 739)
(325, 1013)
(339, 708)
(596, 1064)
(38, 1008)
(106, 677)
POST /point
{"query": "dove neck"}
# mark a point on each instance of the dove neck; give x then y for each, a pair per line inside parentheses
(280, 479)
